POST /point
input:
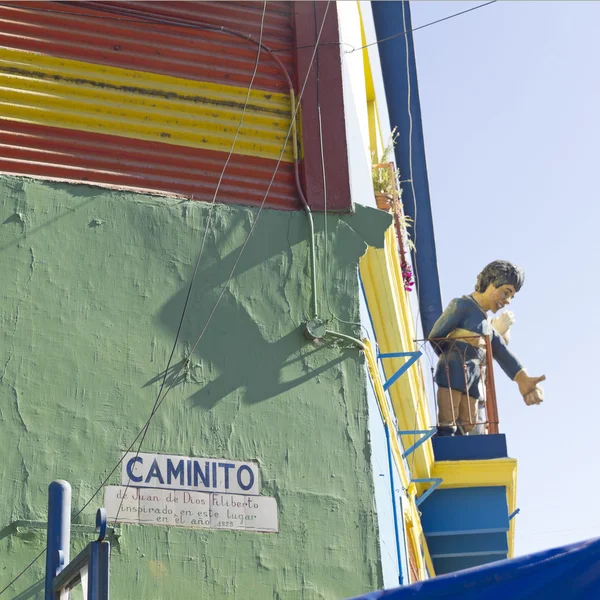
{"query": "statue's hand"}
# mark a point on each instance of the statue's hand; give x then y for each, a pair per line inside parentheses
(503, 322)
(527, 384)
(534, 397)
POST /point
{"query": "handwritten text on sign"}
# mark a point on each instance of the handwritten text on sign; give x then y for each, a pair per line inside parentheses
(194, 474)
(144, 506)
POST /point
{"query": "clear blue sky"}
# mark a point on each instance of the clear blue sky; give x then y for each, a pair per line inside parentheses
(510, 98)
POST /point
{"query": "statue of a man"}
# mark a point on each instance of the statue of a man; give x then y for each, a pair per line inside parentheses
(458, 339)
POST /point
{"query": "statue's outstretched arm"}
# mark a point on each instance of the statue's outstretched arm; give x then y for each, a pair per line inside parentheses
(506, 359)
(528, 386)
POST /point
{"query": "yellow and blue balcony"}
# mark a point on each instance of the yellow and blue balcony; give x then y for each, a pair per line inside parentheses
(462, 489)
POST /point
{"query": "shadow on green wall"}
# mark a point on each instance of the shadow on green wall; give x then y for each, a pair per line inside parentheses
(35, 590)
(254, 344)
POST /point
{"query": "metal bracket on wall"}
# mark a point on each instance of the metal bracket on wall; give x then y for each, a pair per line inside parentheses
(425, 433)
(436, 481)
(413, 357)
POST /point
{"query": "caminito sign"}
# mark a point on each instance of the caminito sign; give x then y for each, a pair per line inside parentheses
(190, 492)
(197, 474)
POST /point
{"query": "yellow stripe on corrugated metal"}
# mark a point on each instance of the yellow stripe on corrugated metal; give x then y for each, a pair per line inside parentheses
(46, 90)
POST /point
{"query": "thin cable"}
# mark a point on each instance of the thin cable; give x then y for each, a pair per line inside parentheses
(24, 570)
(104, 482)
(171, 385)
(326, 269)
(321, 149)
(258, 212)
(326, 266)
(157, 403)
(410, 152)
(225, 287)
(274, 51)
(149, 19)
(391, 37)
(206, 230)
(410, 181)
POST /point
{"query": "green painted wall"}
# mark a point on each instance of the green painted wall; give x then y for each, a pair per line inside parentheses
(93, 282)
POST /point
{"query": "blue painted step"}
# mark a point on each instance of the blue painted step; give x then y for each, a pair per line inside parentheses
(465, 511)
(471, 544)
(470, 447)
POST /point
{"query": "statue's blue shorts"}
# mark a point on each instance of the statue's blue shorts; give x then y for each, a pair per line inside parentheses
(459, 368)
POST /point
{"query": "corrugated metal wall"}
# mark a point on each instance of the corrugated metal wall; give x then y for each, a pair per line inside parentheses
(121, 93)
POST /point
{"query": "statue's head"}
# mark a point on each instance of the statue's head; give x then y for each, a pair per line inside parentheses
(499, 282)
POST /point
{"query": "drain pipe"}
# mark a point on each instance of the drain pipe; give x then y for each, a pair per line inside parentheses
(311, 223)
(315, 328)
(395, 510)
(399, 71)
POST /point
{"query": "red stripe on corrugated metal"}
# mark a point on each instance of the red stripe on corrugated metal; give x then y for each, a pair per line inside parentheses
(325, 83)
(100, 33)
(93, 32)
(41, 151)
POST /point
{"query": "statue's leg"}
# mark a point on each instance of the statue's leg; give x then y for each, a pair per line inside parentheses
(467, 412)
(448, 406)
(479, 429)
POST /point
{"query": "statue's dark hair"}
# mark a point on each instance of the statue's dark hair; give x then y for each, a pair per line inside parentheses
(499, 273)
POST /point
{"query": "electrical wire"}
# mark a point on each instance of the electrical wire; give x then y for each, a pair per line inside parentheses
(273, 51)
(391, 37)
(206, 230)
(414, 198)
(148, 19)
(410, 180)
(252, 227)
(24, 571)
(326, 265)
(322, 157)
(452, 16)
(292, 128)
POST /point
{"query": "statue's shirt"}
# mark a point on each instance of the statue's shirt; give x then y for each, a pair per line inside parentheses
(459, 366)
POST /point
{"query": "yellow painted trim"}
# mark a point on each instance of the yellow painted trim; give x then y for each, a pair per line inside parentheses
(416, 538)
(59, 92)
(375, 140)
(411, 516)
(482, 473)
(370, 88)
(392, 320)
(385, 412)
(372, 120)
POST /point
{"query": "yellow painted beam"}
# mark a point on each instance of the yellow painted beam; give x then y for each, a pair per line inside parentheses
(47, 90)
(392, 320)
(375, 140)
(411, 515)
(366, 62)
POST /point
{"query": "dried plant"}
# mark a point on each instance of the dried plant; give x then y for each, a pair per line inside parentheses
(383, 179)
(386, 181)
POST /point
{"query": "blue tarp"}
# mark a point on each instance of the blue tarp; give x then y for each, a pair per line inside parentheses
(569, 573)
